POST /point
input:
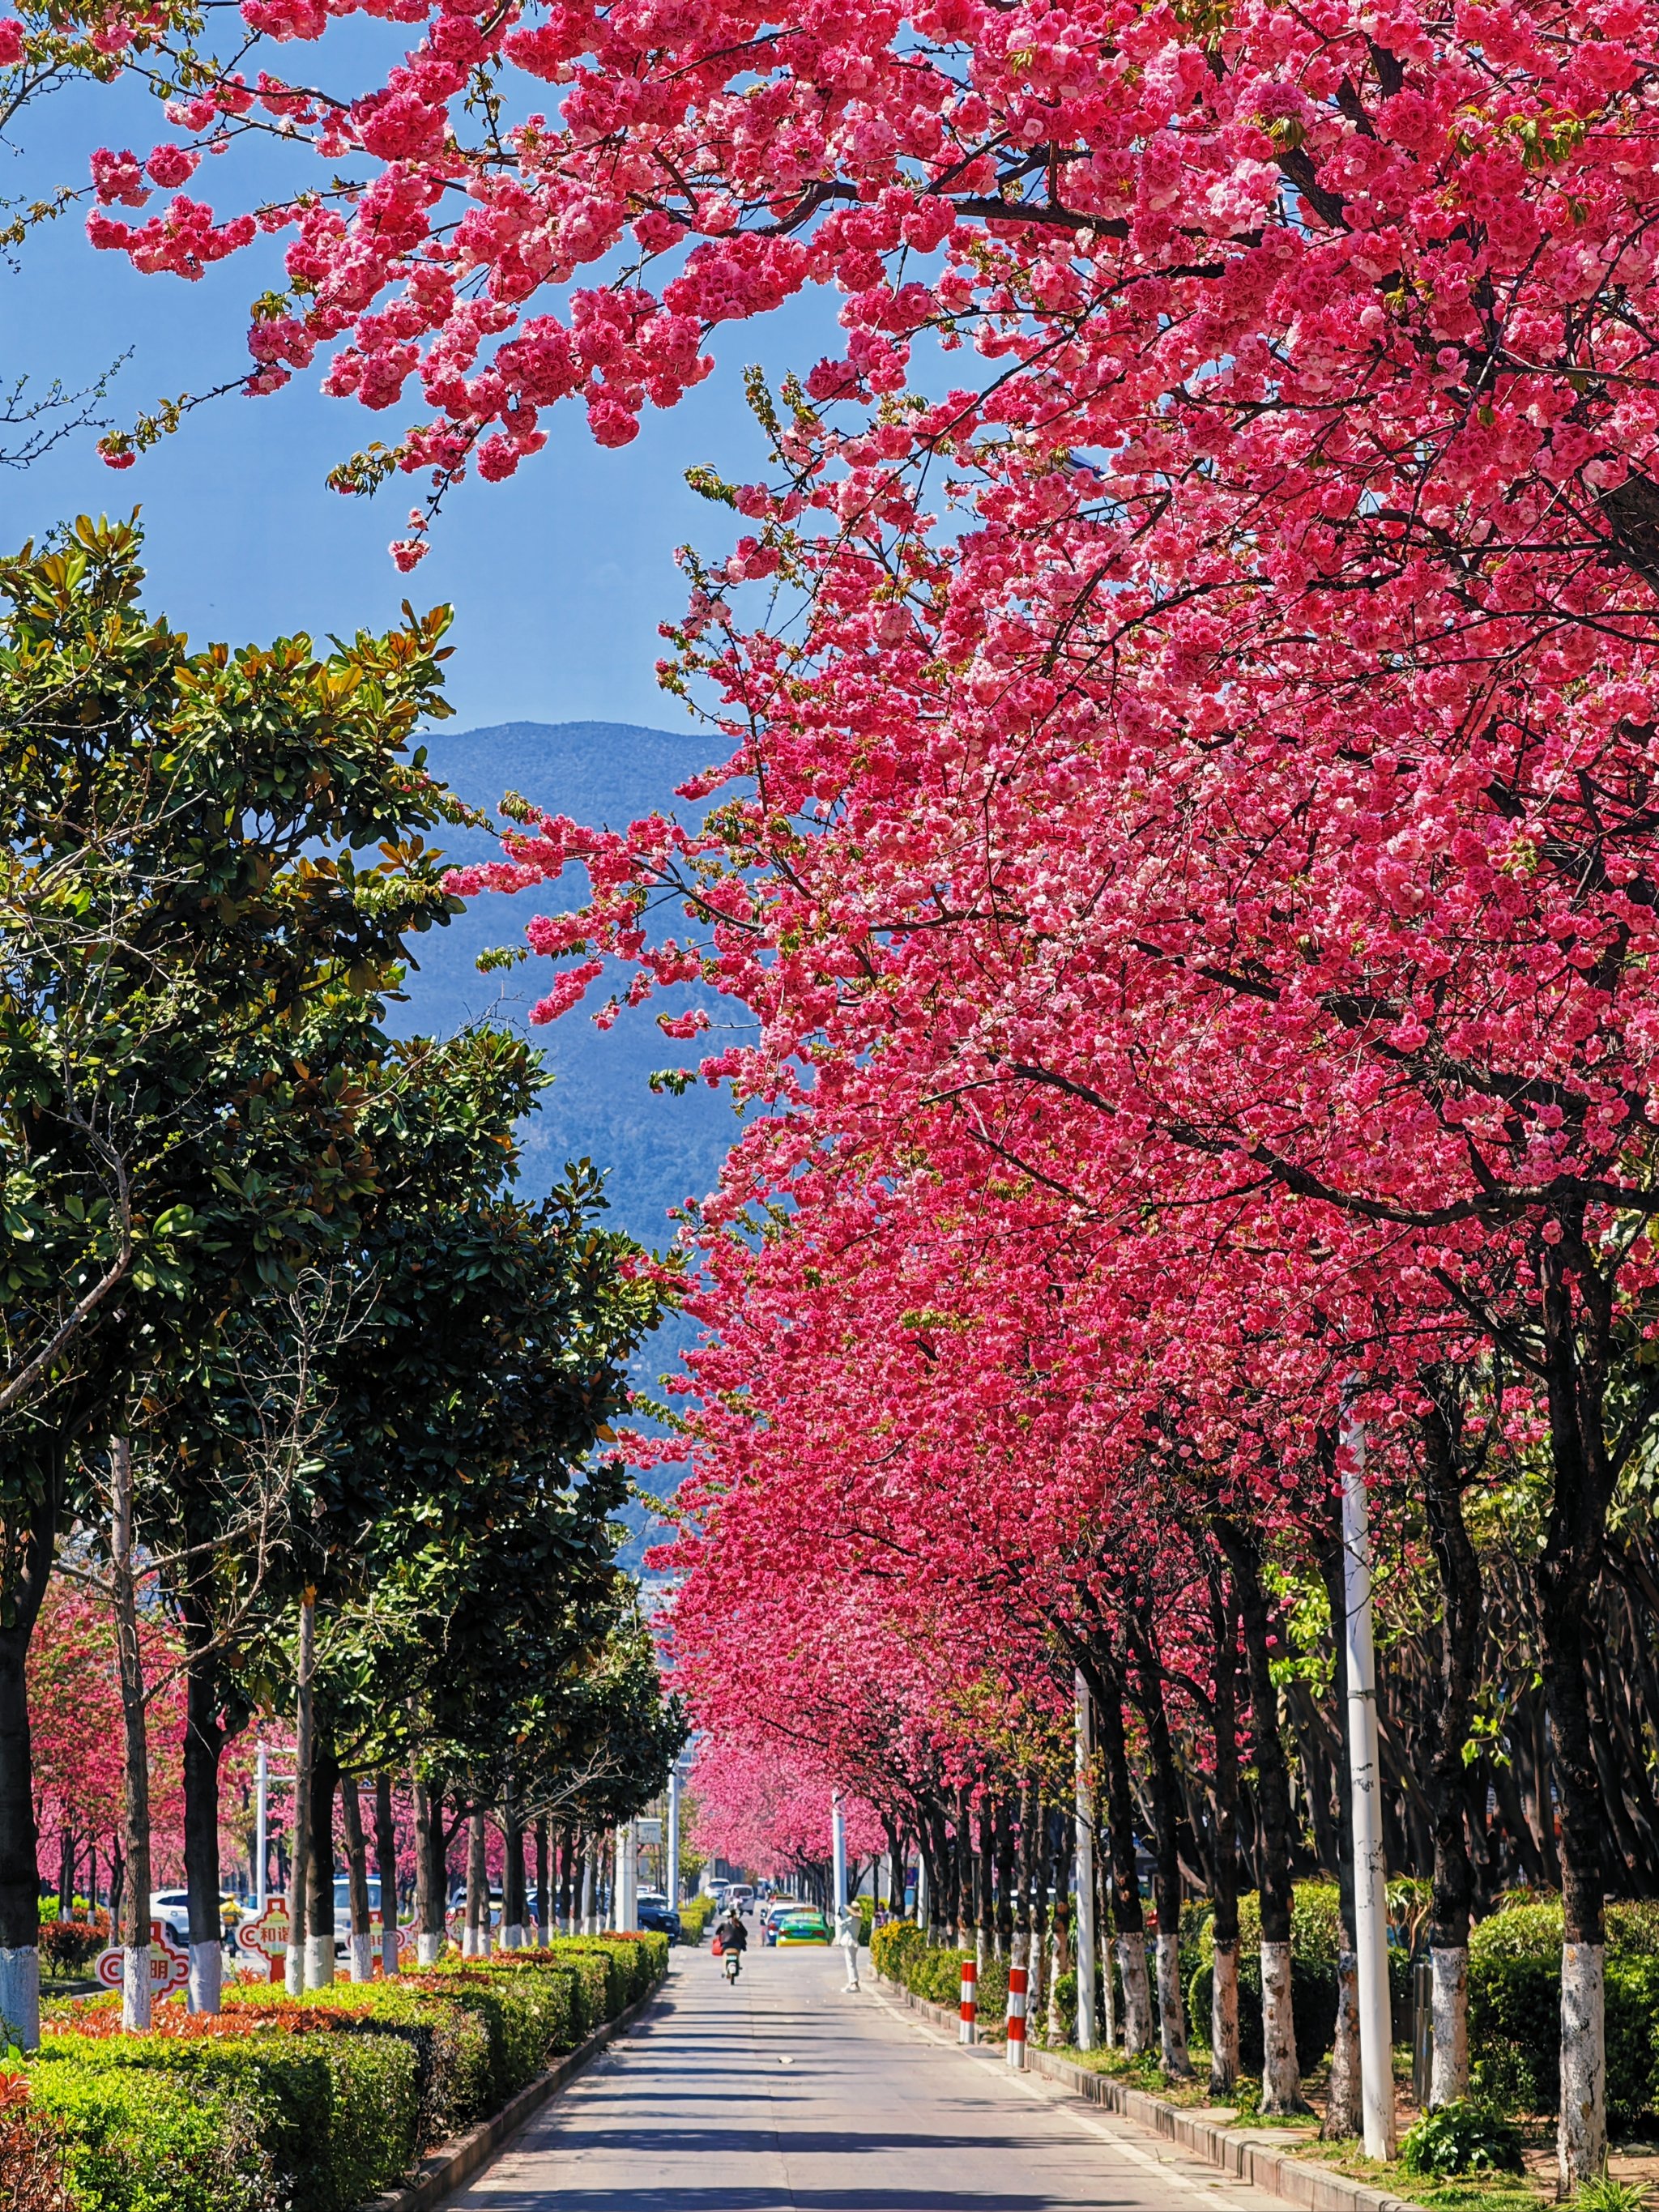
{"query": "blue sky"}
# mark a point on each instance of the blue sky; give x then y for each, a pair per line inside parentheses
(558, 579)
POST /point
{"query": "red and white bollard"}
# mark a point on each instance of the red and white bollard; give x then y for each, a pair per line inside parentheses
(1019, 1983)
(968, 2026)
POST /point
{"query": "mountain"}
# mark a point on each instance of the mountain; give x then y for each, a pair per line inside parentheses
(656, 1150)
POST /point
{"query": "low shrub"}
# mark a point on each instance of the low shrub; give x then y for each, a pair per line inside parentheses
(591, 1968)
(134, 2140)
(695, 1917)
(1601, 2193)
(451, 2044)
(520, 2016)
(1515, 2019)
(324, 2119)
(67, 1947)
(31, 2156)
(894, 1946)
(1313, 2000)
(1465, 2136)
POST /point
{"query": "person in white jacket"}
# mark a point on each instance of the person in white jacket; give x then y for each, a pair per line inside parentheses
(847, 1924)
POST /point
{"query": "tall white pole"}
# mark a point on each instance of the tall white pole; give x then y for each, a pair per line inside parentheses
(838, 1850)
(1086, 1871)
(625, 1912)
(1370, 1891)
(672, 1884)
(262, 1830)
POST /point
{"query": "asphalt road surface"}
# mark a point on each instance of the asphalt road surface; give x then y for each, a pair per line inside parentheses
(786, 2094)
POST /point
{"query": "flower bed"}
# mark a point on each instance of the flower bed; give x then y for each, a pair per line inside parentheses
(319, 2102)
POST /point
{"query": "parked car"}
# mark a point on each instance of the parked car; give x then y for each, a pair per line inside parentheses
(458, 1903)
(172, 1908)
(742, 1895)
(806, 1925)
(343, 1911)
(655, 1913)
(770, 1907)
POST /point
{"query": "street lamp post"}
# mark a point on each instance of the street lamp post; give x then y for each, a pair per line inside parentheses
(672, 1884)
(838, 1850)
(1086, 1871)
(1369, 1890)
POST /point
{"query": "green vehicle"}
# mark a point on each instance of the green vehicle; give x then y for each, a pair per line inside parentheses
(806, 1925)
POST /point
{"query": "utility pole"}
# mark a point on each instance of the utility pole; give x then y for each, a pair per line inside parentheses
(1369, 1890)
(672, 1883)
(1084, 1945)
(838, 1850)
(261, 1834)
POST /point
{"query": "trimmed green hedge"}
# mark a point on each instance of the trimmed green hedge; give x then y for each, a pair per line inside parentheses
(320, 2102)
(327, 2120)
(695, 1917)
(140, 2142)
(1514, 2032)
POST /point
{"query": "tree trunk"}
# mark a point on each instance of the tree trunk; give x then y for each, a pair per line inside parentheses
(1020, 1950)
(476, 1945)
(1281, 2082)
(299, 1866)
(513, 1913)
(1459, 1651)
(986, 1914)
(964, 1868)
(1567, 1571)
(357, 1856)
(1003, 1946)
(1106, 1682)
(204, 1748)
(1166, 1817)
(19, 1902)
(430, 1900)
(1060, 1949)
(135, 1938)
(319, 1888)
(1224, 1873)
(386, 1866)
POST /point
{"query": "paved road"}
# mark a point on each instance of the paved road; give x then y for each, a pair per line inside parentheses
(787, 2095)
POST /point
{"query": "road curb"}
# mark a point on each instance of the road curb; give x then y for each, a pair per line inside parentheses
(1246, 2156)
(444, 2169)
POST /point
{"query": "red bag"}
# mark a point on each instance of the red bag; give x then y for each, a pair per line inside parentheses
(716, 1947)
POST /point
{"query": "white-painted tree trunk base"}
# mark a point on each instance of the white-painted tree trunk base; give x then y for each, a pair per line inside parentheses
(320, 1962)
(513, 1938)
(293, 1971)
(1281, 2076)
(207, 1975)
(1137, 1993)
(1450, 2077)
(388, 1951)
(1054, 2025)
(136, 1991)
(1171, 2007)
(428, 1950)
(1581, 2142)
(1224, 2018)
(362, 1957)
(1345, 2107)
(20, 1995)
